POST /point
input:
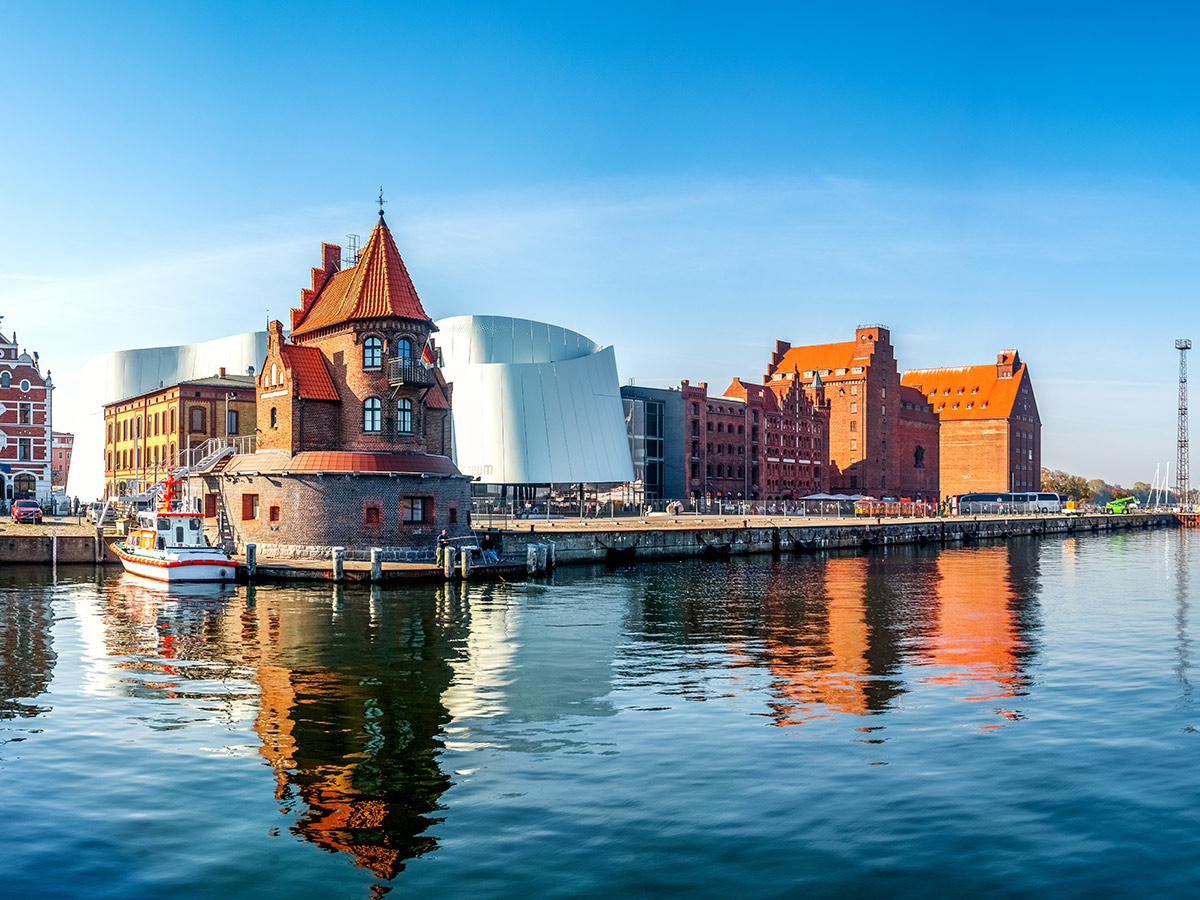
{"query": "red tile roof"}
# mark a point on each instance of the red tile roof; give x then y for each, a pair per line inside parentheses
(819, 357)
(338, 461)
(967, 392)
(308, 372)
(378, 285)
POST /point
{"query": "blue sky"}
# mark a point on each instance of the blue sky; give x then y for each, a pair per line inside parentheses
(689, 182)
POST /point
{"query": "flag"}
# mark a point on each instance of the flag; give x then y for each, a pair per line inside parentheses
(427, 358)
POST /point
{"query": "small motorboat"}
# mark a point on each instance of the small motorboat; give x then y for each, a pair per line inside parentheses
(168, 543)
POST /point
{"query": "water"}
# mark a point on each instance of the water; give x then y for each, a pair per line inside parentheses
(1011, 720)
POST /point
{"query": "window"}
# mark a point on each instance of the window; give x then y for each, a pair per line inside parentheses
(372, 515)
(372, 353)
(274, 417)
(273, 514)
(854, 425)
(5, 379)
(853, 444)
(853, 407)
(172, 421)
(25, 413)
(274, 374)
(157, 417)
(453, 515)
(210, 506)
(231, 422)
(156, 457)
(24, 448)
(708, 426)
(249, 506)
(883, 392)
(404, 416)
(414, 509)
(172, 452)
(720, 426)
(372, 413)
(404, 349)
(108, 465)
(196, 418)
(109, 441)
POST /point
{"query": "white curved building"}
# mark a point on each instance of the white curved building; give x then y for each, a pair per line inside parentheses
(533, 403)
(126, 373)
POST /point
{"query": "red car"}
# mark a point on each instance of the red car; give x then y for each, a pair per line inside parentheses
(26, 511)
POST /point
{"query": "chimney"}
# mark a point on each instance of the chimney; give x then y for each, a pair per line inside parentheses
(221, 371)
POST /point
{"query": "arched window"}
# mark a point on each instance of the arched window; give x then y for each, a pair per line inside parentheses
(404, 349)
(274, 417)
(5, 379)
(172, 457)
(404, 416)
(172, 428)
(109, 466)
(372, 415)
(372, 353)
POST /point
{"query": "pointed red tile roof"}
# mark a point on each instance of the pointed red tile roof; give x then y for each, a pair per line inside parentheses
(378, 285)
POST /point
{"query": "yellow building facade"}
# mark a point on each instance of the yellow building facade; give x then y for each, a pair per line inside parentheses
(148, 434)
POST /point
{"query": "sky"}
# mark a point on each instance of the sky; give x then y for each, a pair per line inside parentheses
(689, 182)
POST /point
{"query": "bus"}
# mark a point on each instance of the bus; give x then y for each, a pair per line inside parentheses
(980, 504)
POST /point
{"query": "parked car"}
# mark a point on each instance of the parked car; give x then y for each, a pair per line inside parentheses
(94, 510)
(26, 511)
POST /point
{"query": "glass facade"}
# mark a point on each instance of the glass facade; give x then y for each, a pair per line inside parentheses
(644, 423)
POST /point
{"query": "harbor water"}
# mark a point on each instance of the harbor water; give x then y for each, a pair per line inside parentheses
(1005, 720)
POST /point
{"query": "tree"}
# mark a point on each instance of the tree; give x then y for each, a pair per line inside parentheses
(1099, 490)
(1141, 490)
(1077, 489)
(1054, 480)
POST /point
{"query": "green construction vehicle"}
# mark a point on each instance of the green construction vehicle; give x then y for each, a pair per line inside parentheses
(1121, 505)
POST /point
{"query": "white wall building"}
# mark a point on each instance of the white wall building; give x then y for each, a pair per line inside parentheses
(533, 403)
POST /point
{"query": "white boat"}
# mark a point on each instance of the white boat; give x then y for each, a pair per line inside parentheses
(168, 544)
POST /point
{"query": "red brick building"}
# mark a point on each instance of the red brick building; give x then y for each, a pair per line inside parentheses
(755, 442)
(883, 438)
(62, 445)
(26, 407)
(991, 432)
(353, 423)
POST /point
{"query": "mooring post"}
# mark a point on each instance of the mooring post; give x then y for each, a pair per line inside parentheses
(448, 571)
(98, 545)
(251, 560)
(466, 563)
(531, 559)
(339, 563)
(543, 554)
(54, 548)
(551, 561)
(377, 564)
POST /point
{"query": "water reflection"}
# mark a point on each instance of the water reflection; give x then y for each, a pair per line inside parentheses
(26, 649)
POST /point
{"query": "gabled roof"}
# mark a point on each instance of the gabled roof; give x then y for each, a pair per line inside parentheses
(745, 390)
(975, 392)
(817, 357)
(377, 285)
(309, 373)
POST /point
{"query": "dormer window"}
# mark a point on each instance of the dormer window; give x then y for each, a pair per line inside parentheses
(372, 353)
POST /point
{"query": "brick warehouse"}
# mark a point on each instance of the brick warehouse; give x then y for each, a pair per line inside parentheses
(991, 435)
(353, 435)
(755, 442)
(883, 436)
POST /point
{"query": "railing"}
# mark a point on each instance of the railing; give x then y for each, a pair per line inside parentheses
(192, 457)
(408, 371)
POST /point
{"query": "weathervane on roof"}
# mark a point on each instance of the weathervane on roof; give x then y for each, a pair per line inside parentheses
(381, 200)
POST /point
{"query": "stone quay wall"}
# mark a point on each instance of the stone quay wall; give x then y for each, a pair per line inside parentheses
(592, 545)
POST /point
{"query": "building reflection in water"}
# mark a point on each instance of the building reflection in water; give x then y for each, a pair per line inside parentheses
(351, 715)
(844, 635)
(26, 650)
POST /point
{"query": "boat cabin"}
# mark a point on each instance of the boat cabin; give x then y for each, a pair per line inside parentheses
(164, 530)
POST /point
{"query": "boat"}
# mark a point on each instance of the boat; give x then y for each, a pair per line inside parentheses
(168, 543)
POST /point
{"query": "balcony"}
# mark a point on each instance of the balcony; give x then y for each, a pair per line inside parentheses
(402, 371)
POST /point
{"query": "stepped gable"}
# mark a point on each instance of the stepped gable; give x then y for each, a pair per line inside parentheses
(377, 286)
(968, 392)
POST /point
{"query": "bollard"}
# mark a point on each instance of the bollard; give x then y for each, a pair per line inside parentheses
(252, 559)
(377, 564)
(54, 547)
(339, 563)
(550, 554)
(449, 564)
(543, 556)
(98, 545)
(531, 559)
(466, 564)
